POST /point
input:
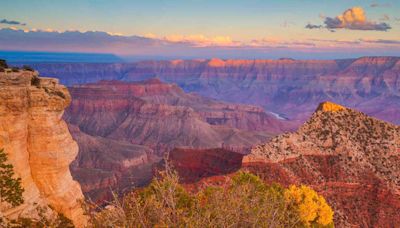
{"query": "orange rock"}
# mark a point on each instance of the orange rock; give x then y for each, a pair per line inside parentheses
(39, 145)
(329, 107)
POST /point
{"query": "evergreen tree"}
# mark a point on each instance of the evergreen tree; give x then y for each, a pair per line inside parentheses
(10, 187)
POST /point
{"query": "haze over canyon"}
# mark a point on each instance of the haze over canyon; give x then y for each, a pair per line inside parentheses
(289, 88)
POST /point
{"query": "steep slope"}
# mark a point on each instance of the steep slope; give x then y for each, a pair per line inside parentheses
(349, 157)
(162, 116)
(105, 164)
(193, 165)
(288, 87)
(117, 123)
(38, 144)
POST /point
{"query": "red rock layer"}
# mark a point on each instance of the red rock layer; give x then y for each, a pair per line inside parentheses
(195, 164)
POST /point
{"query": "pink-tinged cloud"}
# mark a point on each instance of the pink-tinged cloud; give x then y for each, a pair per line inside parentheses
(194, 46)
(352, 19)
(201, 40)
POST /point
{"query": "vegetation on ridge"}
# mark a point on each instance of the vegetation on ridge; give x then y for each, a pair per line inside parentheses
(11, 192)
(244, 201)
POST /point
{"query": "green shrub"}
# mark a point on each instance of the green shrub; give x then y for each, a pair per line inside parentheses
(27, 68)
(244, 201)
(35, 81)
(10, 187)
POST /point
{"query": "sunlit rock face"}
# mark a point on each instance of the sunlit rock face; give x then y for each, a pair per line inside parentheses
(349, 157)
(38, 144)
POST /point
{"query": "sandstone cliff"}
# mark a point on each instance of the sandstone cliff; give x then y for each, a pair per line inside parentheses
(349, 157)
(38, 144)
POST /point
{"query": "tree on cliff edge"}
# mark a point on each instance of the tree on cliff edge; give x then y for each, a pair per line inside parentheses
(10, 187)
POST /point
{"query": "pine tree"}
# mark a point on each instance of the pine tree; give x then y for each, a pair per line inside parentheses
(10, 187)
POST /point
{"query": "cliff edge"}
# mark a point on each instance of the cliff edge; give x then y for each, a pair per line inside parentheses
(38, 144)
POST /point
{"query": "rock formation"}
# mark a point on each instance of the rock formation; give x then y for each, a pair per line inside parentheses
(349, 157)
(292, 88)
(194, 164)
(38, 144)
(118, 123)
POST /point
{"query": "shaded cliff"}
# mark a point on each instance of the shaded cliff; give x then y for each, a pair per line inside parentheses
(193, 165)
(349, 157)
(292, 88)
(38, 144)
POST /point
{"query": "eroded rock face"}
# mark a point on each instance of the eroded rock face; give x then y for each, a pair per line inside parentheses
(38, 143)
(105, 164)
(123, 128)
(194, 164)
(349, 157)
(289, 87)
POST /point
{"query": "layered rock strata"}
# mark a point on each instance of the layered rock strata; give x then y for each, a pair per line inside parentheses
(38, 144)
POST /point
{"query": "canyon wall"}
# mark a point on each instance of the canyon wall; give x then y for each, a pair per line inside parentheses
(38, 144)
(291, 88)
(122, 128)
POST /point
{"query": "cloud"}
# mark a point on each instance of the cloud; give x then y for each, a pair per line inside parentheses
(352, 19)
(7, 22)
(359, 42)
(201, 40)
(193, 46)
(278, 43)
(375, 5)
(311, 26)
(381, 41)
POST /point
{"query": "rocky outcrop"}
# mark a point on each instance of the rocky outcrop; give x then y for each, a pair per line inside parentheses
(194, 164)
(292, 88)
(38, 144)
(349, 157)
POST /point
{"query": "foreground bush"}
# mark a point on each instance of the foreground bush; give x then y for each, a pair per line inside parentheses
(245, 201)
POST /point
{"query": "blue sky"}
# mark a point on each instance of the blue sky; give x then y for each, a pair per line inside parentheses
(212, 23)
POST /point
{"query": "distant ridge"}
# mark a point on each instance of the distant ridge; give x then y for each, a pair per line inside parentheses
(290, 88)
(57, 57)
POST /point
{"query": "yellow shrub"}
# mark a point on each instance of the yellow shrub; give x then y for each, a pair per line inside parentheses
(245, 201)
(312, 208)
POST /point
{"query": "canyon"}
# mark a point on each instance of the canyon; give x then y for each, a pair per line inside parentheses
(348, 157)
(122, 128)
(38, 145)
(210, 115)
(288, 87)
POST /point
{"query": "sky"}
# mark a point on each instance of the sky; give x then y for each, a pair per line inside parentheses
(204, 28)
